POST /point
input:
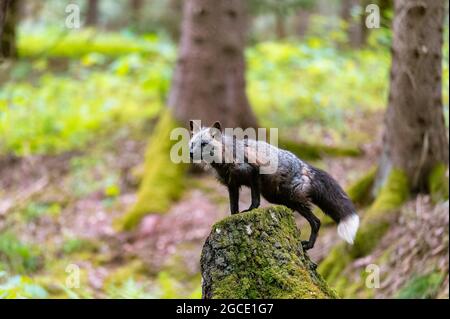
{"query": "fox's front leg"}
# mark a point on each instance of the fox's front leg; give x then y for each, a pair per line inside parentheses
(255, 187)
(233, 192)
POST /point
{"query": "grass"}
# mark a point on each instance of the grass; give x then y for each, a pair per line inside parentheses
(17, 256)
(421, 287)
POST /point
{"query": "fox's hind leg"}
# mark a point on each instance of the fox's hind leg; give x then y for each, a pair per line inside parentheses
(314, 222)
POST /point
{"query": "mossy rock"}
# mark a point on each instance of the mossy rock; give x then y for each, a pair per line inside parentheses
(162, 180)
(309, 151)
(258, 254)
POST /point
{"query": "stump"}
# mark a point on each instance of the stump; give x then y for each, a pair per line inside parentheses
(258, 254)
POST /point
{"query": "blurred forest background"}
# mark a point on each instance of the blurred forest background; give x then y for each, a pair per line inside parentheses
(85, 116)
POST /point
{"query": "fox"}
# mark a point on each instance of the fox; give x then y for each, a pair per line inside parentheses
(294, 183)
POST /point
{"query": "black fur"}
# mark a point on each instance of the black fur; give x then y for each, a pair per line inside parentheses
(296, 185)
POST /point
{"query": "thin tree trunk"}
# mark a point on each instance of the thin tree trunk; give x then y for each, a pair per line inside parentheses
(302, 20)
(92, 13)
(8, 21)
(356, 27)
(415, 138)
(280, 26)
(172, 20)
(209, 80)
(136, 7)
(3, 8)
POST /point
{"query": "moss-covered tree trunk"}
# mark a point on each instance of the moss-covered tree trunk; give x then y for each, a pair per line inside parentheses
(258, 254)
(415, 148)
(208, 85)
(415, 138)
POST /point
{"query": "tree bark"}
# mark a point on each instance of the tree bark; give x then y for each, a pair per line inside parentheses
(136, 7)
(302, 20)
(258, 254)
(3, 8)
(356, 27)
(280, 25)
(92, 13)
(209, 80)
(8, 21)
(415, 137)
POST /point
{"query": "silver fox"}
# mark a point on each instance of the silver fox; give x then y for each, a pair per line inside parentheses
(295, 183)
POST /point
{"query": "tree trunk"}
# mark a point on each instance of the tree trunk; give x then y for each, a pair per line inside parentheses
(258, 254)
(3, 8)
(92, 13)
(8, 21)
(136, 7)
(280, 26)
(356, 27)
(415, 137)
(172, 20)
(302, 20)
(209, 79)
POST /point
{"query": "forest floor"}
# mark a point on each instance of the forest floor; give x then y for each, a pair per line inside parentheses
(61, 210)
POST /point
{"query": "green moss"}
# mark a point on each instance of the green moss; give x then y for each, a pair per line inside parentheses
(379, 216)
(359, 191)
(163, 180)
(393, 193)
(77, 245)
(374, 225)
(308, 151)
(438, 183)
(421, 287)
(133, 269)
(332, 266)
(264, 258)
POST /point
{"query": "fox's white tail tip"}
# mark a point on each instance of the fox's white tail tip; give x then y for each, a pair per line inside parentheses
(347, 228)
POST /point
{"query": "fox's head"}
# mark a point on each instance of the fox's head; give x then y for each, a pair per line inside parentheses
(205, 144)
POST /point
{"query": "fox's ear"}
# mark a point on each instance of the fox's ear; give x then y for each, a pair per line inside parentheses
(194, 126)
(216, 130)
(217, 125)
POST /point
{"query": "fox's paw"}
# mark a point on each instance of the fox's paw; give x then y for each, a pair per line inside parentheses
(307, 245)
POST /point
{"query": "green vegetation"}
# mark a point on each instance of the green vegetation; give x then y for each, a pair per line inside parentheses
(86, 99)
(19, 287)
(79, 44)
(359, 191)
(377, 219)
(103, 87)
(438, 183)
(163, 180)
(374, 224)
(17, 256)
(309, 151)
(421, 287)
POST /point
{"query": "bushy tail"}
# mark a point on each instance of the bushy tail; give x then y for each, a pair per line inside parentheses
(333, 201)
